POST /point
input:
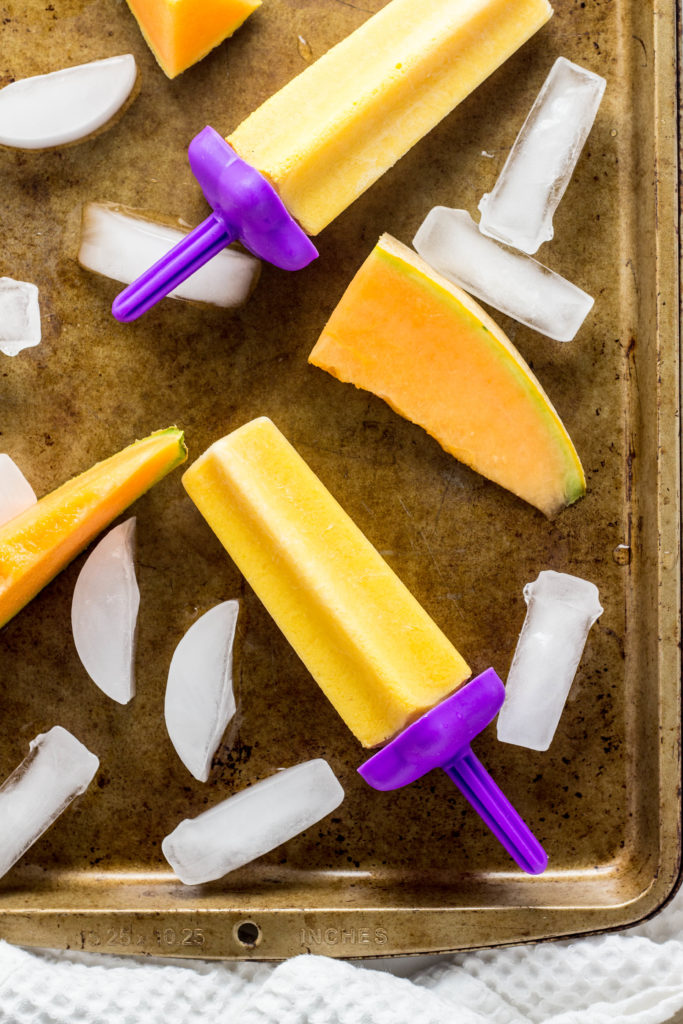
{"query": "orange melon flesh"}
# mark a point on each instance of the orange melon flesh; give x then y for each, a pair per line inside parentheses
(371, 647)
(40, 542)
(181, 32)
(423, 345)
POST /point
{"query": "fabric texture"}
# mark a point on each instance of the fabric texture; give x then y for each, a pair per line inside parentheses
(634, 976)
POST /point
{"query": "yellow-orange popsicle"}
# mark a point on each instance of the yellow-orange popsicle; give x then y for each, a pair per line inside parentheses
(371, 647)
(332, 131)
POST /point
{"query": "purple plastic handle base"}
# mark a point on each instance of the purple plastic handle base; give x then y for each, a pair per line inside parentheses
(246, 207)
(441, 739)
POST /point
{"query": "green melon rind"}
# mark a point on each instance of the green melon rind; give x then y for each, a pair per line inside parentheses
(182, 450)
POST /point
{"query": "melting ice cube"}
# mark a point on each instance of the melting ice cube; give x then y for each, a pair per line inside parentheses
(16, 493)
(515, 284)
(19, 316)
(247, 825)
(561, 610)
(519, 209)
(104, 613)
(199, 695)
(56, 770)
(117, 243)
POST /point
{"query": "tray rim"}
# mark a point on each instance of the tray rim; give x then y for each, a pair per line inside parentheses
(47, 927)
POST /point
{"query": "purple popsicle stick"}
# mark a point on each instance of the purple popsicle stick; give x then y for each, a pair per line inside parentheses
(188, 255)
(496, 811)
(441, 739)
(246, 207)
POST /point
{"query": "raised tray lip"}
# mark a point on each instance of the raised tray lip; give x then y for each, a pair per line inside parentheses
(354, 932)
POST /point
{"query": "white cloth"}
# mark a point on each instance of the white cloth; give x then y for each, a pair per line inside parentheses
(634, 976)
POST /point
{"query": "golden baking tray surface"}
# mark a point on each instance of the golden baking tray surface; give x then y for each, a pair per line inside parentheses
(388, 873)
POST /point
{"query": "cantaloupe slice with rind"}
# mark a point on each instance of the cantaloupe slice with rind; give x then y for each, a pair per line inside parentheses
(40, 542)
(423, 345)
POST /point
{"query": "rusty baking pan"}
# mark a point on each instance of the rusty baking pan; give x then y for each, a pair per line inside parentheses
(397, 872)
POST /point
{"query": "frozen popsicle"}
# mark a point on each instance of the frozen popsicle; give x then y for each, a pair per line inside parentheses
(303, 156)
(371, 647)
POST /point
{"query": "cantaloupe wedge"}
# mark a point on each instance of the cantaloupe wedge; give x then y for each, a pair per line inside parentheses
(40, 542)
(423, 345)
(181, 32)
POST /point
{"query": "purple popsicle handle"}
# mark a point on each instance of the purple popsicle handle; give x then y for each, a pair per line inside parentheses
(494, 808)
(246, 208)
(441, 739)
(196, 249)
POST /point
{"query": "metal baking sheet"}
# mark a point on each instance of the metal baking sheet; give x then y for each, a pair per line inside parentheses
(388, 873)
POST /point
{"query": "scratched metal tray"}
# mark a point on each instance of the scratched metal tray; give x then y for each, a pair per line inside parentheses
(388, 873)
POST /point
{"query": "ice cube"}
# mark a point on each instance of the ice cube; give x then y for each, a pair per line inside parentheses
(561, 610)
(200, 700)
(256, 820)
(56, 770)
(19, 316)
(104, 613)
(16, 493)
(67, 105)
(117, 243)
(515, 284)
(519, 209)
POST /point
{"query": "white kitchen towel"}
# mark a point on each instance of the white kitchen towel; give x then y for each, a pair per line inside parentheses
(634, 976)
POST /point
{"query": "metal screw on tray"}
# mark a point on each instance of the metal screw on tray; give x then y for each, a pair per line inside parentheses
(441, 739)
(246, 208)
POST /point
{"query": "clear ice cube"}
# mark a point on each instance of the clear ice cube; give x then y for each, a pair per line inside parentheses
(200, 700)
(252, 822)
(56, 770)
(519, 209)
(518, 286)
(16, 493)
(122, 246)
(104, 613)
(561, 610)
(19, 316)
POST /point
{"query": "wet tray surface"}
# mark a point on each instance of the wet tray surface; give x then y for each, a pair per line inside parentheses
(397, 872)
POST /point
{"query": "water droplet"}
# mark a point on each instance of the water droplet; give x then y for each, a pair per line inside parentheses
(622, 554)
(669, 559)
(304, 48)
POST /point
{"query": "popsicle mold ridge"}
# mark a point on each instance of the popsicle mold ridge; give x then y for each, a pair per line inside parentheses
(246, 208)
